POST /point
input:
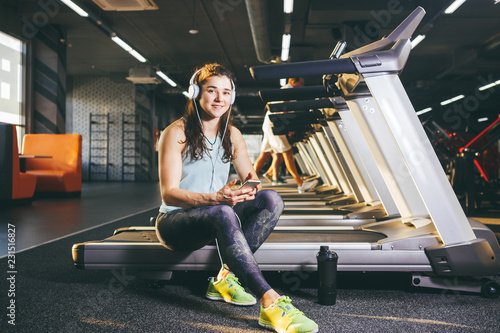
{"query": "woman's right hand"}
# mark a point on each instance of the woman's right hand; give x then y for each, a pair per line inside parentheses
(226, 196)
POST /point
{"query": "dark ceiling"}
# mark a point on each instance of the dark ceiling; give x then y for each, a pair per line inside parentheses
(460, 54)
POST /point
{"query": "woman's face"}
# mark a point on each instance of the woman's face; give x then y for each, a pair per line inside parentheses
(216, 96)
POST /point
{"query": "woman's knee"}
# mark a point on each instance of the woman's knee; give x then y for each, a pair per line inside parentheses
(224, 215)
(273, 201)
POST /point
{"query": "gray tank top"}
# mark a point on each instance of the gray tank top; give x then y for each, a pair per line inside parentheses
(206, 175)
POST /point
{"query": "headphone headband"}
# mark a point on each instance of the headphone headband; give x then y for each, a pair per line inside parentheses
(194, 89)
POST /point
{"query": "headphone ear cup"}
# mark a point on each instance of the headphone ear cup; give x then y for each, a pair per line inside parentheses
(233, 96)
(193, 91)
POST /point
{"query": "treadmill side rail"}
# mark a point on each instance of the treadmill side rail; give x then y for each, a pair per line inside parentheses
(473, 258)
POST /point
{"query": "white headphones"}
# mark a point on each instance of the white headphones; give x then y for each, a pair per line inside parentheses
(194, 89)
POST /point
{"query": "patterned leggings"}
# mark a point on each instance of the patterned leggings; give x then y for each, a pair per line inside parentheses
(192, 228)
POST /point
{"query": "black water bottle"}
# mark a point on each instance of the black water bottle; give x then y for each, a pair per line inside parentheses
(327, 273)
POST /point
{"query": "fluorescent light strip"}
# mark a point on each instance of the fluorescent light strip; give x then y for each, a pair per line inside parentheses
(417, 40)
(490, 85)
(285, 47)
(75, 8)
(423, 111)
(122, 44)
(454, 6)
(136, 55)
(282, 82)
(451, 100)
(480, 120)
(288, 6)
(166, 78)
(185, 93)
(128, 48)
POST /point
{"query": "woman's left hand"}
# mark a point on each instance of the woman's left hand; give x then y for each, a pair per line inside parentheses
(226, 196)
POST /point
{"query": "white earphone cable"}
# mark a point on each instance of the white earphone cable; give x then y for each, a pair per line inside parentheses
(217, 243)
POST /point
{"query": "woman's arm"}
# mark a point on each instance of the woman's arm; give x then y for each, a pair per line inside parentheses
(170, 148)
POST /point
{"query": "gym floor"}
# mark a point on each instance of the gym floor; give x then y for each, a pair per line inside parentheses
(49, 219)
(366, 302)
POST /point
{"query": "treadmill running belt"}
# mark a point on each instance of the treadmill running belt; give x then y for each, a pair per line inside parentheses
(299, 236)
(337, 236)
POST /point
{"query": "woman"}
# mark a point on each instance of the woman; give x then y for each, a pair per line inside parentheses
(198, 205)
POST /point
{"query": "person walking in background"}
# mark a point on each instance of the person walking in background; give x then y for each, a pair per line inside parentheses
(274, 145)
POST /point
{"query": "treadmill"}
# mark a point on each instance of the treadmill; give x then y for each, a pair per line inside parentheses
(365, 196)
(337, 209)
(441, 241)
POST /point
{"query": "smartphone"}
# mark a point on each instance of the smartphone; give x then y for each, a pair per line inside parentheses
(250, 184)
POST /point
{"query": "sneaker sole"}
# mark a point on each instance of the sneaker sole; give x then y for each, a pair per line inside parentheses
(220, 298)
(280, 330)
(271, 327)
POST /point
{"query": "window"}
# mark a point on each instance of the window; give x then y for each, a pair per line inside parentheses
(11, 80)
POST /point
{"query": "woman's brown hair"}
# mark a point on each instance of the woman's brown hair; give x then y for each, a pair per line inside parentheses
(196, 145)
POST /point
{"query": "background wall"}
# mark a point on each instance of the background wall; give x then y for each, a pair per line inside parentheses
(101, 95)
(49, 103)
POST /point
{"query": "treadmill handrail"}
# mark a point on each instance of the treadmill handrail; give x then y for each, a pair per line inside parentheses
(304, 68)
(299, 93)
(301, 105)
(403, 31)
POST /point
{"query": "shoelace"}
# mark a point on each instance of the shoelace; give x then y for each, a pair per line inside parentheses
(285, 303)
(232, 278)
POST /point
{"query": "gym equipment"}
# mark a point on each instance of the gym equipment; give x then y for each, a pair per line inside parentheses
(298, 93)
(352, 168)
(482, 155)
(439, 240)
(471, 163)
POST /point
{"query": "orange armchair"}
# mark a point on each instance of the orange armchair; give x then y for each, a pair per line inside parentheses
(63, 171)
(13, 183)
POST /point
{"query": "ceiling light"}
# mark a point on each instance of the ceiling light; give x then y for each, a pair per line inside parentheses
(285, 47)
(454, 6)
(489, 85)
(193, 30)
(166, 78)
(128, 48)
(185, 93)
(282, 82)
(288, 6)
(417, 40)
(451, 100)
(121, 43)
(75, 8)
(480, 120)
(423, 111)
(136, 55)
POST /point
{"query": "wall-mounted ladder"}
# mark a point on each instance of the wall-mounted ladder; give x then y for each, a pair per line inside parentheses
(99, 147)
(131, 146)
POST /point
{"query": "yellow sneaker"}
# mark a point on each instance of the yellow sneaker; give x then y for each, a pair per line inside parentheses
(229, 290)
(283, 317)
